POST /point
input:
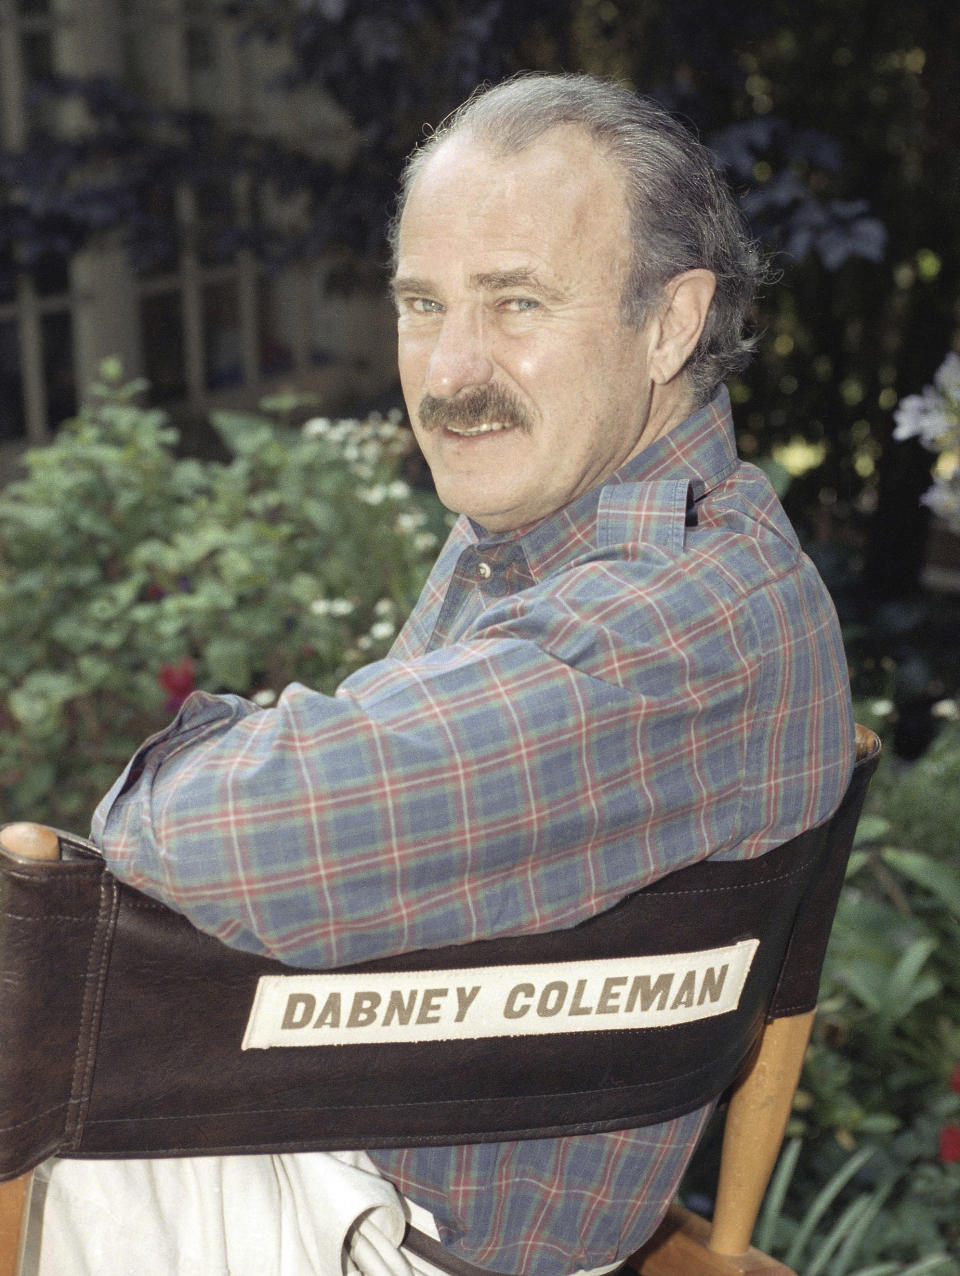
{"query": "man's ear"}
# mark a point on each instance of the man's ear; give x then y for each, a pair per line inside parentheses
(686, 301)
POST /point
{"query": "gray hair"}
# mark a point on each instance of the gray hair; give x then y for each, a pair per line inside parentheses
(683, 216)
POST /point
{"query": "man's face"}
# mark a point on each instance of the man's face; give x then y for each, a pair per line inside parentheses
(523, 386)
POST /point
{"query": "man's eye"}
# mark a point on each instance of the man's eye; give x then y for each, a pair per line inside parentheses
(520, 304)
(425, 306)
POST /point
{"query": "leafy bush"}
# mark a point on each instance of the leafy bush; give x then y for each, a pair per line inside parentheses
(870, 1181)
(859, 1223)
(129, 575)
(890, 998)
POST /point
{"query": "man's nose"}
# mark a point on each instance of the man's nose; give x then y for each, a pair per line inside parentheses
(460, 358)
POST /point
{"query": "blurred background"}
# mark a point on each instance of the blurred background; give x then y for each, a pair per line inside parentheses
(206, 478)
(200, 189)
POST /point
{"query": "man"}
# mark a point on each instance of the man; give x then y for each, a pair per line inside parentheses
(622, 663)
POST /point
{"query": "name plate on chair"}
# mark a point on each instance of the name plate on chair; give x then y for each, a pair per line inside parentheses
(600, 995)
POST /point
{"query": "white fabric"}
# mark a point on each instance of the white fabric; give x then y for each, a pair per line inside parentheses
(293, 1215)
(297, 1214)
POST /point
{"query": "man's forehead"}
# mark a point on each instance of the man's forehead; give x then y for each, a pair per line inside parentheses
(565, 158)
(511, 212)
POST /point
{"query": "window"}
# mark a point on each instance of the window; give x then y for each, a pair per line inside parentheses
(200, 53)
(278, 328)
(222, 335)
(161, 325)
(37, 363)
(13, 423)
(56, 329)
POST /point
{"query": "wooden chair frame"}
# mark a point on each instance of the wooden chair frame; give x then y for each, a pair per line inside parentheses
(760, 1104)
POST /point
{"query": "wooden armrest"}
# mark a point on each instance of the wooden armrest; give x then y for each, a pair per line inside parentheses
(29, 842)
(680, 1247)
(26, 842)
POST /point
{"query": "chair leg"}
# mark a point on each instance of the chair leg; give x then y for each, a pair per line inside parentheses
(757, 1116)
(14, 1200)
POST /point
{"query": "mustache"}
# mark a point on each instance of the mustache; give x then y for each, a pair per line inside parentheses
(486, 403)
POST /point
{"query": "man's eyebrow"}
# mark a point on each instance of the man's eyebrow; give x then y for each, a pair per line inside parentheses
(521, 277)
(485, 281)
(410, 284)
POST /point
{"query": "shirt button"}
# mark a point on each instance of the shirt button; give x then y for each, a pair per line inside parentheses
(485, 571)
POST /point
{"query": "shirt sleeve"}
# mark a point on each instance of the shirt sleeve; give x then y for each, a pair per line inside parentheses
(581, 738)
(486, 788)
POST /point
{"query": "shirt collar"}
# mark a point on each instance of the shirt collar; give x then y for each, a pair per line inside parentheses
(681, 466)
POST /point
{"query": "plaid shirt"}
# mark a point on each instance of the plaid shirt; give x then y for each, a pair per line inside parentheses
(649, 676)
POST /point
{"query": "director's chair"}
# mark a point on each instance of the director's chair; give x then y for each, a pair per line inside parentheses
(81, 954)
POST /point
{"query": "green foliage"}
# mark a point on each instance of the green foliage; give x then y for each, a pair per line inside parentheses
(869, 1178)
(870, 1183)
(889, 1028)
(870, 1218)
(128, 575)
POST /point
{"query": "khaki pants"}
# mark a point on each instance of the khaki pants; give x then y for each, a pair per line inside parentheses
(296, 1214)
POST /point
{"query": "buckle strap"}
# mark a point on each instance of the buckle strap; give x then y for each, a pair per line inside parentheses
(431, 1251)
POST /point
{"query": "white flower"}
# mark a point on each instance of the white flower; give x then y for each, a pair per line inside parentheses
(409, 521)
(382, 629)
(934, 418)
(384, 607)
(424, 541)
(316, 427)
(948, 709)
(375, 495)
(264, 698)
(925, 416)
(947, 377)
(331, 606)
(943, 498)
(882, 708)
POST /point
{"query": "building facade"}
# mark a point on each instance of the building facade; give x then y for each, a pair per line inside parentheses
(205, 332)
